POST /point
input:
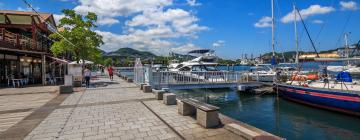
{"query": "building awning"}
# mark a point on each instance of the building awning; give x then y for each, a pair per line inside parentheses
(58, 59)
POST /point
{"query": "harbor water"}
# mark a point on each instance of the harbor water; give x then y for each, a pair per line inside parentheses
(279, 116)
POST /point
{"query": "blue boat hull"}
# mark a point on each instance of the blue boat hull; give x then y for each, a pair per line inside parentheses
(331, 100)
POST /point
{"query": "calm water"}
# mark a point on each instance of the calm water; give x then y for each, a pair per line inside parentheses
(278, 116)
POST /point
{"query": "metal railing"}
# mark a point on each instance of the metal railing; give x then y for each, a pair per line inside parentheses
(20, 41)
(206, 77)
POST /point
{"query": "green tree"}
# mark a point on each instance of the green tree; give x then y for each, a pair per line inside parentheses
(107, 61)
(78, 30)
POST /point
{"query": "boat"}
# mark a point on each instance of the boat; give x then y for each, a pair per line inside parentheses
(340, 97)
(262, 73)
(340, 94)
(201, 68)
(205, 62)
(351, 68)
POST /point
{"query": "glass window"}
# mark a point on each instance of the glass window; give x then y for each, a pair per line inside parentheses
(185, 69)
(196, 68)
(211, 68)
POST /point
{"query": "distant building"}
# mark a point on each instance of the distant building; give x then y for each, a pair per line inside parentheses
(323, 55)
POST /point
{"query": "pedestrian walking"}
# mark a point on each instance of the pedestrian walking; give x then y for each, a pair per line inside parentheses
(111, 74)
(87, 75)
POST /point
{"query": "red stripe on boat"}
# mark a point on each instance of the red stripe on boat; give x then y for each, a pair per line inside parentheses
(339, 97)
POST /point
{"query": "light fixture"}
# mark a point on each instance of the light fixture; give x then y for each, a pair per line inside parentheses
(22, 59)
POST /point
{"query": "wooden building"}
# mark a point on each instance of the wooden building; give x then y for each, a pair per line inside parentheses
(24, 48)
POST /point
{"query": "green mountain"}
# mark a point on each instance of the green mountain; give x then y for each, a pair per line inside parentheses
(130, 53)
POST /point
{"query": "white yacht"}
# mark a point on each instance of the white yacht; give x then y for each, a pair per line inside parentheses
(205, 62)
(201, 68)
(262, 73)
(348, 68)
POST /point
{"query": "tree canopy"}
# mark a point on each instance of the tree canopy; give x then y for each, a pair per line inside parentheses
(77, 37)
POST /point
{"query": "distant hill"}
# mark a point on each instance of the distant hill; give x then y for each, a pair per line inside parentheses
(130, 53)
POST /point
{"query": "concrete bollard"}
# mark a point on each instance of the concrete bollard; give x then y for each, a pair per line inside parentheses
(65, 89)
(146, 88)
(158, 94)
(207, 119)
(169, 99)
(185, 109)
(129, 80)
(141, 86)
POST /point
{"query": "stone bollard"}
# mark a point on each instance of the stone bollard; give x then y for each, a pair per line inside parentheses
(185, 109)
(158, 94)
(129, 80)
(169, 99)
(207, 119)
(146, 88)
(65, 89)
(141, 86)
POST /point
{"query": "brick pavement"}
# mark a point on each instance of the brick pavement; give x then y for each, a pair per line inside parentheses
(113, 110)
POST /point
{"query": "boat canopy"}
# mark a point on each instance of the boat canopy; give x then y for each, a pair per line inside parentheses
(344, 76)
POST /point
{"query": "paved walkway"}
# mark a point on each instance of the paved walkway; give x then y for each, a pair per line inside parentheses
(109, 110)
(17, 103)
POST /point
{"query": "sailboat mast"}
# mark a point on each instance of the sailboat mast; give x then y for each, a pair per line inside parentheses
(273, 28)
(346, 46)
(296, 37)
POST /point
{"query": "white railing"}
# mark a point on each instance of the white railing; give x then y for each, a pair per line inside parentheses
(208, 77)
(139, 75)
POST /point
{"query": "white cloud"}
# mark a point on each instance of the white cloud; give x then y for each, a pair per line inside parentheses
(193, 3)
(305, 13)
(317, 21)
(108, 9)
(263, 22)
(151, 25)
(350, 5)
(115, 41)
(58, 17)
(183, 49)
(107, 21)
(218, 43)
(180, 21)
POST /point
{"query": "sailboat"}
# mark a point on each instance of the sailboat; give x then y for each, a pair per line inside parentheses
(263, 72)
(341, 94)
(352, 69)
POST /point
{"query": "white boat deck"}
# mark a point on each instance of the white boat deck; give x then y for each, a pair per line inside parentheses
(354, 86)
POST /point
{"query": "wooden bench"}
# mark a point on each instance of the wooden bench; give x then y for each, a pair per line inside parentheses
(206, 115)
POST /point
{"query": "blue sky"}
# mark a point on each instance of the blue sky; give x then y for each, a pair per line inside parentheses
(232, 27)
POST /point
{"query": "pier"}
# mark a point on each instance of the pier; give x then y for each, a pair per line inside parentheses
(107, 110)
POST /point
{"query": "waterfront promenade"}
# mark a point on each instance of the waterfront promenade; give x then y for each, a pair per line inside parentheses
(108, 110)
